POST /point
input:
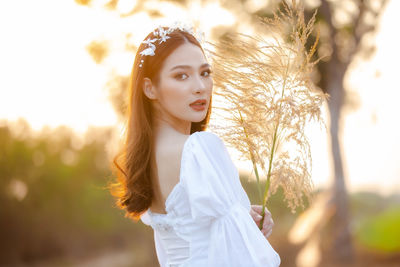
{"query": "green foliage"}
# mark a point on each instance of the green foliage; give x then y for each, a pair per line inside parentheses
(381, 232)
(53, 199)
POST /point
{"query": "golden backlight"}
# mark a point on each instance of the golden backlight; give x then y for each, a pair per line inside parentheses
(48, 77)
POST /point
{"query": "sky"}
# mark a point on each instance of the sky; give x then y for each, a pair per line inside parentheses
(48, 78)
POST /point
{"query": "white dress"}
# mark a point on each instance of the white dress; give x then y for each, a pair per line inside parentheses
(208, 221)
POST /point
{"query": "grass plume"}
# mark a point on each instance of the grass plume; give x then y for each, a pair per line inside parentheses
(266, 97)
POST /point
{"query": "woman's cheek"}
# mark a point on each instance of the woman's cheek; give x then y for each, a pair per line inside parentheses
(176, 98)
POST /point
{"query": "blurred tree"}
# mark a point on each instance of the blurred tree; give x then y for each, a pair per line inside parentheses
(98, 50)
(345, 24)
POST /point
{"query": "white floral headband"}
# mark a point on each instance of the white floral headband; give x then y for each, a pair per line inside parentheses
(162, 36)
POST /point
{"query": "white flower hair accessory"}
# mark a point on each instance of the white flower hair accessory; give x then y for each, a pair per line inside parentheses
(162, 36)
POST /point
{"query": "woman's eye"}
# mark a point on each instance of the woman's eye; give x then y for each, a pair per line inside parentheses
(207, 73)
(181, 76)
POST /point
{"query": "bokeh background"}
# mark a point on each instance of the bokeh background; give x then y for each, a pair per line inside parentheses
(64, 68)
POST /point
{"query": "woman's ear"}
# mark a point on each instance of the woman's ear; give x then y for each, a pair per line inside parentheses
(149, 89)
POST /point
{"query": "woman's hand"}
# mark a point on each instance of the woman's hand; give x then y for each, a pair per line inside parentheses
(255, 212)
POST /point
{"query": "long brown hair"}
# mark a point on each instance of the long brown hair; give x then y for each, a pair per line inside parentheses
(134, 165)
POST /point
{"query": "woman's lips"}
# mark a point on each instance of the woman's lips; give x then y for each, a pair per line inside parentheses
(199, 105)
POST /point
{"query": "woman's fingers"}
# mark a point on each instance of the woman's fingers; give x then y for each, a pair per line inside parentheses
(256, 216)
(267, 234)
(268, 223)
(267, 228)
(257, 208)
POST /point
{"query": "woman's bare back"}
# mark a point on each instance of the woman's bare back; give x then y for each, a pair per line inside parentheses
(168, 155)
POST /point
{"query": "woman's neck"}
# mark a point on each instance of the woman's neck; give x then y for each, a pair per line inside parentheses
(165, 126)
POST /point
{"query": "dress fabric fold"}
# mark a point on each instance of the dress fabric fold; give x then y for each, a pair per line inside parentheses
(209, 213)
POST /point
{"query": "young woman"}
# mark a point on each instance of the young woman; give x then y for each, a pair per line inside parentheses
(175, 176)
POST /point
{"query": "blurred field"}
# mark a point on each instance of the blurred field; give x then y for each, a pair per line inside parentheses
(55, 210)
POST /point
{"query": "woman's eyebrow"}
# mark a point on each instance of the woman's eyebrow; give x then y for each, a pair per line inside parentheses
(188, 67)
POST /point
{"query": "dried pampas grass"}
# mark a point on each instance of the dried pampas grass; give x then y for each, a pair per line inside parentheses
(266, 97)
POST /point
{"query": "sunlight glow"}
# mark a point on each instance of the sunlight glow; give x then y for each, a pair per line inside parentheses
(310, 254)
(370, 135)
(309, 222)
(48, 78)
(124, 6)
(18, 189)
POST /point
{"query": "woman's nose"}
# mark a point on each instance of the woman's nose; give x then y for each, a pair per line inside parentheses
(199, 85)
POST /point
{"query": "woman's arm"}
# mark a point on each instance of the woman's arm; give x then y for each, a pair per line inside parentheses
(255, 212)
(216, 196)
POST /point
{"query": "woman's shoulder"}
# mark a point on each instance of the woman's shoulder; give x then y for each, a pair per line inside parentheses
(202, 143)
(206, 134)
(207, 137)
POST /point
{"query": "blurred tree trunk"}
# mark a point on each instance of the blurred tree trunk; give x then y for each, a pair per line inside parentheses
(342, 247)
(333, 79)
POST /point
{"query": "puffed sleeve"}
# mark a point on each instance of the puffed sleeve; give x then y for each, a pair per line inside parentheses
(216, 195)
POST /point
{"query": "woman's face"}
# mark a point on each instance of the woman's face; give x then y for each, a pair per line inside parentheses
(183, 93)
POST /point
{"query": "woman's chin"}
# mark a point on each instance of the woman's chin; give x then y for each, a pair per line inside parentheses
(199, 118)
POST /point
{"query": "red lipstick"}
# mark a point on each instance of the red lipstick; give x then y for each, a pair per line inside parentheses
(199, 105)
